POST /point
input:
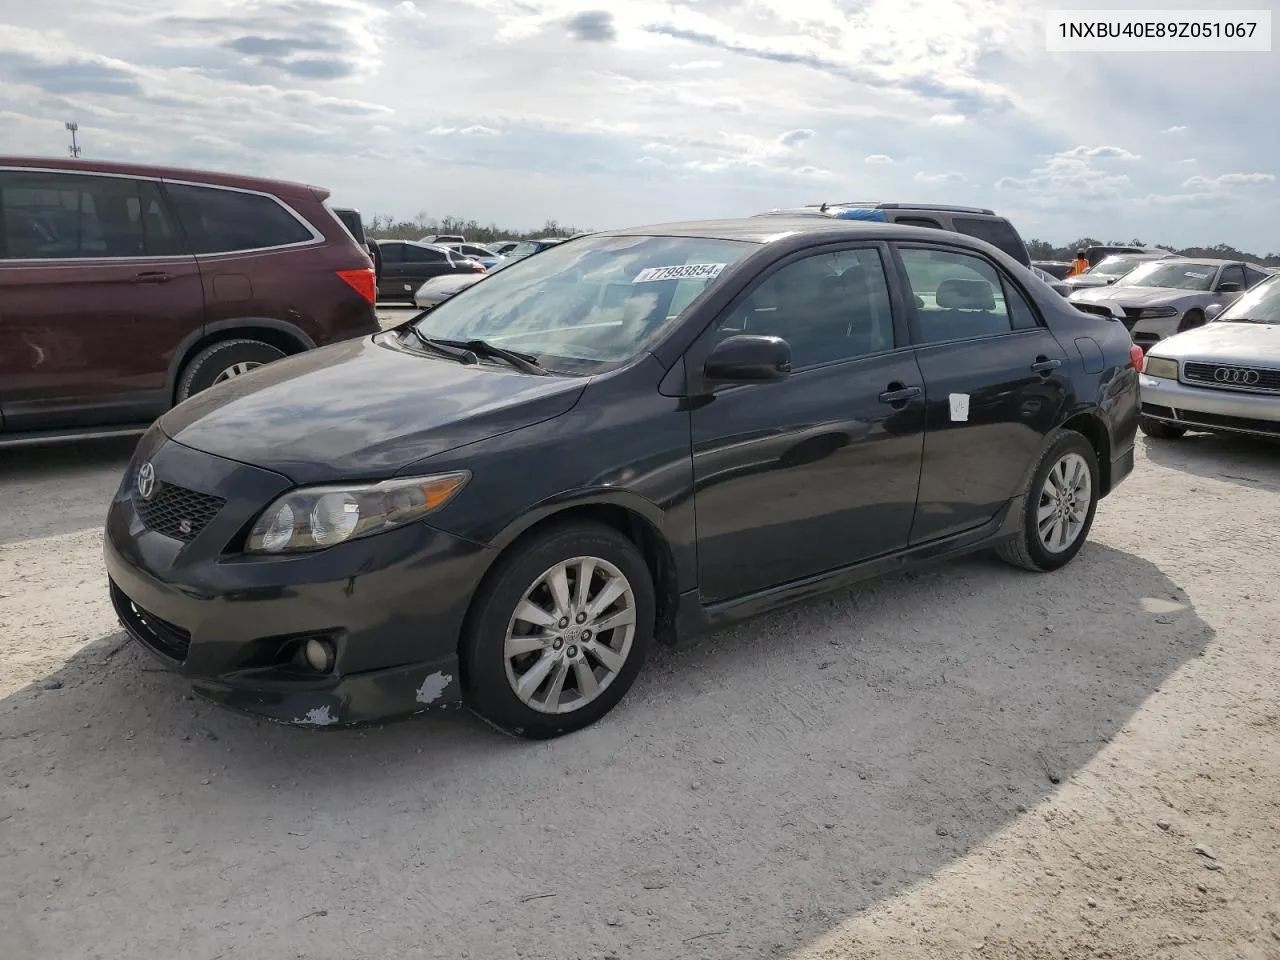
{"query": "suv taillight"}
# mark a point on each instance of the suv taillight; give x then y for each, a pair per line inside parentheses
(362, 282)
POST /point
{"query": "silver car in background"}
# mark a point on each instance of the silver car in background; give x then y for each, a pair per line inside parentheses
(1110, 269)
(1223, 376)
(1164, 297)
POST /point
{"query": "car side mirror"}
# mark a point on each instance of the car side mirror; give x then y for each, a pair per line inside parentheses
(1212, 311)
(1229, 286)
(749, 358)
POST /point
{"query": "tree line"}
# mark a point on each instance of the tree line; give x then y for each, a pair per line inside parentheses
(1043, 250)
(388, 227)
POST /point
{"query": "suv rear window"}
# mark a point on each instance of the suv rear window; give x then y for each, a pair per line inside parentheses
(222, 221)
(55, 216)
(997, 232)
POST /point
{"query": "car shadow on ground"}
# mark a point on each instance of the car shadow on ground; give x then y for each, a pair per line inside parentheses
(1253, 463)
(755, 789)
(62, 488)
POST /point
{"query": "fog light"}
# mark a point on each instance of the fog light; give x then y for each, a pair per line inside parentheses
(319, 655)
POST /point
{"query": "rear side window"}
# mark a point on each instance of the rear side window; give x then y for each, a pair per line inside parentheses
(56, 216)
(1254, 277)
(392, 252)
(919, 222)
(957, 296)
(223, 221)
(414, 254)
(997, 232)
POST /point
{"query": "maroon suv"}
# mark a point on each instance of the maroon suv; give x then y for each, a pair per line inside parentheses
(126, 289)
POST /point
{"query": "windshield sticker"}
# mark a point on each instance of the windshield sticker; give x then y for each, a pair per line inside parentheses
(689, 271)
(1195, 276)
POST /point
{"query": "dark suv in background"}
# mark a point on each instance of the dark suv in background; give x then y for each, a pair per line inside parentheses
(125, 289)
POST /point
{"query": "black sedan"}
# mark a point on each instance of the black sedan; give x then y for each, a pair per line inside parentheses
(405, 265)
(631, 437)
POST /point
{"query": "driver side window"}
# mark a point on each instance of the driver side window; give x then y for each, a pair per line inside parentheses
(829, 307)
(1232, 274)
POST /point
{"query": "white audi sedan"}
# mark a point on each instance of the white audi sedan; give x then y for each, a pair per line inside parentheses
(1220, 377)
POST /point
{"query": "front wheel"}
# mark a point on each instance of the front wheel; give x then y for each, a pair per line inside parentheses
(558, 632)
(1059, 506)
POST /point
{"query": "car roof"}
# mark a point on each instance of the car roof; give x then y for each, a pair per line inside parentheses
(765, 230)
(212, 177)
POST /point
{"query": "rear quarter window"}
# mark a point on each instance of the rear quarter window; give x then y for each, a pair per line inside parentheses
(224, 221)
(997, 232)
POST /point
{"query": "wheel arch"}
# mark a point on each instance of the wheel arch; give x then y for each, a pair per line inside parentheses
(1089, 423)
(637, 519)
(278, 333)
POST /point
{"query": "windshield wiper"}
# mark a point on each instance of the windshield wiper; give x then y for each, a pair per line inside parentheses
(445, 347)
(524, 362)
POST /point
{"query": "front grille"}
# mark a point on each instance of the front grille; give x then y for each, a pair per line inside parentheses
(1231, 377)
(1211, 421)
(165, 638)
(176, 511)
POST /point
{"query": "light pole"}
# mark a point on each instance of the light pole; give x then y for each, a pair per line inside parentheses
(74, 149)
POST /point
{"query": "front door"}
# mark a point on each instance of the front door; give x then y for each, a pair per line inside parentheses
(996, 380)
(820, 470)
(97, 295)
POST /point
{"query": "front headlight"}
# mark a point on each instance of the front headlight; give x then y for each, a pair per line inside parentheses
(1161, 367)
(312, 518)
(1152, 313)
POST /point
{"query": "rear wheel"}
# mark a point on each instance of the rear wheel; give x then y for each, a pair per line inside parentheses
(1159, 430)
(224, 361)
(1059, 506)
(559, 631)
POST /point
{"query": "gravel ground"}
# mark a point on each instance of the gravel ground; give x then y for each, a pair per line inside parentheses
(970, 761)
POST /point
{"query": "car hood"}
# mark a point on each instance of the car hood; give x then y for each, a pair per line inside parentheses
(1250, 344)
(1140, 296)
(451, 282)
(362, 409)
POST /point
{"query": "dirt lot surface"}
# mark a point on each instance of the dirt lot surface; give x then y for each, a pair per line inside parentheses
(967, 762)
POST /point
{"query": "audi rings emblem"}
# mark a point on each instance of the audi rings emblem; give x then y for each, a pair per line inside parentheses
(146, 481)
(1239, 376)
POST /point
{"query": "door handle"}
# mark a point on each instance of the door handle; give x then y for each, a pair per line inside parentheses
(154, 276)
(1044, 365)
(897, 395)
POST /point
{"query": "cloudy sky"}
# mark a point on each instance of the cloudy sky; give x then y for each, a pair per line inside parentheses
(616, 112)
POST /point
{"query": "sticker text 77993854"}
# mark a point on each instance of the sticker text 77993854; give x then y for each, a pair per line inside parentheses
(688, 271)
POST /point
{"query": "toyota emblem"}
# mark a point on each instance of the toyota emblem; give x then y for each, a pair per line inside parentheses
(1237, 376)
(146, 481)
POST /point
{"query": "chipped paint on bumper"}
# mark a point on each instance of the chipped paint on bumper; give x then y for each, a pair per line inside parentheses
(353, 700)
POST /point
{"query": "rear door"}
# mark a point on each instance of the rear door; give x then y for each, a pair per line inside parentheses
(420, 265)
(97, 293)
(996, 383)
(391, 275)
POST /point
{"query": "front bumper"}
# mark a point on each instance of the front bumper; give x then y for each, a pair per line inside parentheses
(391, 604)
(1207, 408)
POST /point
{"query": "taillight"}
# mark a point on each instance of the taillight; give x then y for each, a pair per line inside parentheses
(478, 267)
(1135, 356)
(362, 282)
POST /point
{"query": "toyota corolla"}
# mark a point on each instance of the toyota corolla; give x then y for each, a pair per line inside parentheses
(633, 436)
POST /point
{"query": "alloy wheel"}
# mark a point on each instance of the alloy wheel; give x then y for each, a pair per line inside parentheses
(235, 370)
(1064, 504)
(570, 635)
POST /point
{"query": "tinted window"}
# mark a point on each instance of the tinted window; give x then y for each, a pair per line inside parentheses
(392, 252)
(414, 253)
(958, 296)
(1232, 274)
(1253, 277)
(832, 306)
(919, 222)
(999, 233)
(1020, 312)
(62, 215)
(220, 221)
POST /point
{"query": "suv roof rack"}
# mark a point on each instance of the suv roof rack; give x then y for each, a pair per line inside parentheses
(950, 208)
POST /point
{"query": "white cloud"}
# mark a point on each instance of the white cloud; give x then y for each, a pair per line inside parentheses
(794, 138)
(947, 119)
(878, 158)
(1228, 180)
(950, 177)
(1175, 129)
(1188, 160)
(1098, 153)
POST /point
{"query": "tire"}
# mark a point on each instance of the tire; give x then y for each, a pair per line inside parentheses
(215, 363)
(1191, 319)
(490, 675)
(1028, 550)
(1159, 430)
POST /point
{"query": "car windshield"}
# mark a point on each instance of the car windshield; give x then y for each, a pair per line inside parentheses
(1116, 266)
(1173, 274)
(523, 249)
(594, 301)
(1259, 305)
